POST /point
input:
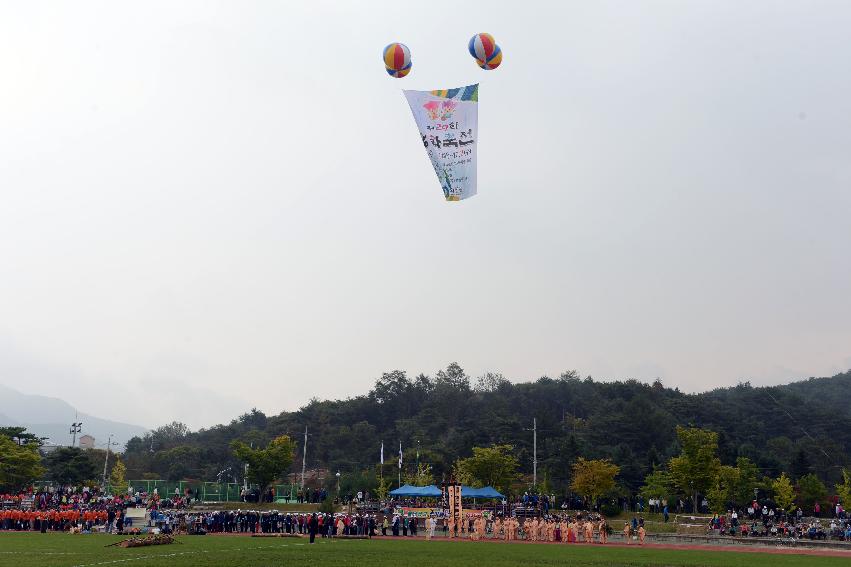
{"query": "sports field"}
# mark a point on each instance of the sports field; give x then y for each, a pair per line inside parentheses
(64, 550)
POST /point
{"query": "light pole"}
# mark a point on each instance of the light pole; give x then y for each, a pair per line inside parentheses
(338, 485)
(109, 443)
(534, 452)
(76, 427)
(304, 458)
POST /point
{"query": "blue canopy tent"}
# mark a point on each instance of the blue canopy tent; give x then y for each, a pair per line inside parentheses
(408, 490)
(405, 490)
(431, 491)
(486, 492)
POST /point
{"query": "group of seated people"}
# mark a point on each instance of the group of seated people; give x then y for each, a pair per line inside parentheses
(771, 522)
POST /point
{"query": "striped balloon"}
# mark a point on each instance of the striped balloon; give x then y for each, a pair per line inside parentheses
(400, 72)
(493, 62)
(397, 56)
(482, 46)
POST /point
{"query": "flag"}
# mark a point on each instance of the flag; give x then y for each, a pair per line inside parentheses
(448, 121)
(382, 452)
(400, 455)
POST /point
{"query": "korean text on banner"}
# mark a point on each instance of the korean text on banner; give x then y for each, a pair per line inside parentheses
(448, 121)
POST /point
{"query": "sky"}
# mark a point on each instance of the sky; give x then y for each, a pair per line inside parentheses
(211, 206)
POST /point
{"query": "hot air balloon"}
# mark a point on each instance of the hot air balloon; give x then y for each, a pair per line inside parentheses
(482, 46)
(403, 72)
(493, 62)
(397, 56)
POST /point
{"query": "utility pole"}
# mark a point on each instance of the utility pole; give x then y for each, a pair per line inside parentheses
(304, 458)
(106, 459)
(76, 427)
(534, 431)
(245, 473)
(535, 452)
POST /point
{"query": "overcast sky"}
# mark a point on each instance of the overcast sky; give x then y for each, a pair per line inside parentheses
(208, 206)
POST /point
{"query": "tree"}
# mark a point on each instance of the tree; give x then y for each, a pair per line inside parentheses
(843, 490)
(383, 488)
(390, 387)
(723, 488)
(453, 377)
(653, 459)
(254, 419)
(266, 465)
(694, 470)
(489, 466)
(176, 463)
(20, 465)
(20, 436)
(70, 465)
(810, 491)
(357, 481)
(117, 480)
(747, 481)
(784, 492)
(800, 465)
(422, 476)
(592, 479)
(490, 382)
(657, 484)
(168, 435)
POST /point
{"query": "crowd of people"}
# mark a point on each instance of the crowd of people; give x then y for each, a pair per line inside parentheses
(77, 508)
(262, 522)
(579, 528)
(301, 496)
(63, 508)
(567, 529)
(82, 508)
(765, 521)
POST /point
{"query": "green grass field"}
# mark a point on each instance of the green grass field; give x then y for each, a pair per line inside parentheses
(64, 550)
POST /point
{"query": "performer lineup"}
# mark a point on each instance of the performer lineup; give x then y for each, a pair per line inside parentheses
(565, 529)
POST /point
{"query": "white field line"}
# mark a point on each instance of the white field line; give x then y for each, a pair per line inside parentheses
(140, 557)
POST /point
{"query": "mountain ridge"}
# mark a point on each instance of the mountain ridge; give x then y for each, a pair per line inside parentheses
(51, 417)
(444, 416)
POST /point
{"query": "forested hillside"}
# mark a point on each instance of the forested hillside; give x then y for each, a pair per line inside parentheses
(798, 428)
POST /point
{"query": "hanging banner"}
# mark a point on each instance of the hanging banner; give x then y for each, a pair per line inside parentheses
(448, 121)
(456, 510)
(417, 512)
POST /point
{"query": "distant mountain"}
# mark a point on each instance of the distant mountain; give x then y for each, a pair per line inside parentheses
(52, 417)
(833, 393)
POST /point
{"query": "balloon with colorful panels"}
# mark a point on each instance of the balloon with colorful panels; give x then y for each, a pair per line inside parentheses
(485, 51)
(491, 62)
(482, 46)
(397, 60)
(403, 72)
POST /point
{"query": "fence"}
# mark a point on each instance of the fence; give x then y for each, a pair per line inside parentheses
(205, 491)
